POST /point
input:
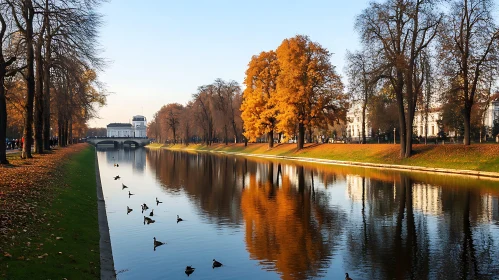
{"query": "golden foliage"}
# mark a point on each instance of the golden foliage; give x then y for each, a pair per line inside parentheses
(258, 109)
(309, 91)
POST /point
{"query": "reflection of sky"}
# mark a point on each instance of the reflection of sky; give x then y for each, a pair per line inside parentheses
(128, 156)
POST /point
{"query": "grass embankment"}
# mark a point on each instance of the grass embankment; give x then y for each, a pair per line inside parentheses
(477, 157)
(49, 216)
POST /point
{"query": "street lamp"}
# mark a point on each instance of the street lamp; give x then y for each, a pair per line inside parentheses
(379, 134)
(394, 142)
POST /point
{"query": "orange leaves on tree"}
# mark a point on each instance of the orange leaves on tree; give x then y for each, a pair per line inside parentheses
(309, 92)
(258, 109)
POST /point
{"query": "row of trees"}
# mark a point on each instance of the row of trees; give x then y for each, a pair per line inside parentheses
(288, 91)
(48, 70)
(418, 55)
(212, 115)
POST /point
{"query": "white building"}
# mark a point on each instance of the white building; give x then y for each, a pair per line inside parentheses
(139, 124)
(135, 129)
(491, 114)
(420, 123)
(354, 122)
(432, 126)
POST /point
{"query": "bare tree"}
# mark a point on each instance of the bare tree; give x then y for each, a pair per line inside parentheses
(361, 81)
(204, 111)
(173, 115)
(468, 44)
(401, 30)
(224, 93)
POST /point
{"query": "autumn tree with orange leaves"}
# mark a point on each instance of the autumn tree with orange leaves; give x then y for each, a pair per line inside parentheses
(258, 109)
(309, 92)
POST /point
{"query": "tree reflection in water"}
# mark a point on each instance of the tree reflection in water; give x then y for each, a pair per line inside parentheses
(399, 226)
(285, 229)
(416, 239)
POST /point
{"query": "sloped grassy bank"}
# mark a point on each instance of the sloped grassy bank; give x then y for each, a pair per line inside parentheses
(49, 206)
(477, 158)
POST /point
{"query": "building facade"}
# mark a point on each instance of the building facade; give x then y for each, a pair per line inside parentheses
(421, 126)
(135, 129)
(139, 125)
(354, 122)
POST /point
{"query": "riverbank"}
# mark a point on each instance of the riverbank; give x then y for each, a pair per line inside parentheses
(474, 160)
(49, 216)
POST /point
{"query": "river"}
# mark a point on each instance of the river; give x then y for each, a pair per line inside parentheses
(270, 219)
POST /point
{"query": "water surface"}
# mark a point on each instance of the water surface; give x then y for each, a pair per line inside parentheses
(267, 219)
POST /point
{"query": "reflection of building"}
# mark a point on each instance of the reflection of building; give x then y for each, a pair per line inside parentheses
(489, 209)
(136, 129)
(354, 186)
(427, 199)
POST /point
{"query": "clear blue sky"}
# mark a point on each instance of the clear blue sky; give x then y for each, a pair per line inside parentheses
(159, 51)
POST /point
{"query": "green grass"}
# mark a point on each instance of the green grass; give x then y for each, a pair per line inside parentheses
(69, 235)
(477, 157)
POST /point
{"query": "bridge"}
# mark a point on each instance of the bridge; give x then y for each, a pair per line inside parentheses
(119, 141)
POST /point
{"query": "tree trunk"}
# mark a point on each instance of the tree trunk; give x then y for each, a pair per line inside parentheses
(3, 120)
(60, 129)
(467, 125)
(270, 138)
(30, 94)
(310, 140)
(38, 117)
(408, 134)
(226, 136)
(400, 106)
(301, 136)
(69, 127)
(46, 92)
(364, 106)
(234, 127)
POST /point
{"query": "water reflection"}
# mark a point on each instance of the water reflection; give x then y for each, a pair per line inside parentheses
(305, 221)
(289, 225)
(129, 156)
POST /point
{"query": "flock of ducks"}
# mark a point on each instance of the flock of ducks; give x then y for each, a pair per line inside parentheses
(147, 220)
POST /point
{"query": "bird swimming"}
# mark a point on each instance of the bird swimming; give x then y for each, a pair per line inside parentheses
(128, 210)
(347, 277)
(216, 263)
(129, 193)
(151, 214)
(157, 201)
(123, 186)
(148, 220)
(179, 219)
(157, 243)
(117, 177)
(189, 270)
